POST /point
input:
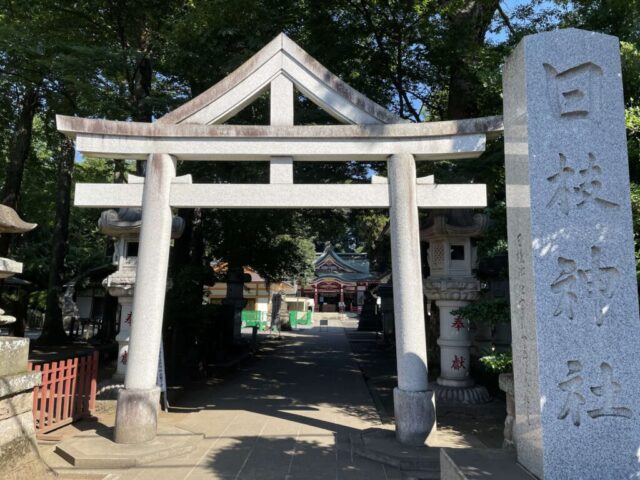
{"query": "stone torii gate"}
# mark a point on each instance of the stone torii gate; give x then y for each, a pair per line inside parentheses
(192, 132)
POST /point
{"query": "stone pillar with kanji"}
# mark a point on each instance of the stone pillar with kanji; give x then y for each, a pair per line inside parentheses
(572, 268)
(452, 285)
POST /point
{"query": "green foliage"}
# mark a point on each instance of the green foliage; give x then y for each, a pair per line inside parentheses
(370, 226)
(182, 299)
(491, 311)
(494, 240)
(630, 53)
(294, 258)
(425, 60)
(38, 300)
(635, 208)
(87, 246)
(499, 363)
(632, 114)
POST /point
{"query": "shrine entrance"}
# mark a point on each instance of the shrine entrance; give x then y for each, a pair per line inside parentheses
(193, 132)
(341, 280)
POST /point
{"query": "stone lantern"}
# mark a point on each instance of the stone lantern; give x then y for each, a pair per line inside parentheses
(124, 225)
(20, 456)
(10, 222)
(451, 284)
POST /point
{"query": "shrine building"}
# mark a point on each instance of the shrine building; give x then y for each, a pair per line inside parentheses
(340, 281)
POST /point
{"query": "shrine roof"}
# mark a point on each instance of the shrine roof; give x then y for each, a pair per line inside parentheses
(343, 277)
(329, 255)
(342, 267)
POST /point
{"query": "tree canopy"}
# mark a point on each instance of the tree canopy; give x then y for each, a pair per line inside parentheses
(425, 60)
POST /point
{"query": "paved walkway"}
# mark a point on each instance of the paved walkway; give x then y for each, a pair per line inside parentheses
(286, 415)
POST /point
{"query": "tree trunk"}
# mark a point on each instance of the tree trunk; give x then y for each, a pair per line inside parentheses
(197, 237)
(18, 154)
(140, 90)
(181, 250)
(235, 297)
(53, 331)
(469, 27)
(107, 332)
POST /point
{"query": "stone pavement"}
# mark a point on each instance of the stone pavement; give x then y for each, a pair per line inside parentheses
(483, 424)
(287, 415)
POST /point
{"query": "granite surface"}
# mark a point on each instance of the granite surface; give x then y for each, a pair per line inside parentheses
(576, 330)
(9, 267)
(151, 275)
(13, 384)
(13, 355)
(229, 195)
(10, 222)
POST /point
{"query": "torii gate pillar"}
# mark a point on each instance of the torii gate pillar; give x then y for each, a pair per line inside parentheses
(138, 402)
(137, 408)
(413, 401)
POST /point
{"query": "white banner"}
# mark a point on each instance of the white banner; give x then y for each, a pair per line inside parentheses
(161, 380)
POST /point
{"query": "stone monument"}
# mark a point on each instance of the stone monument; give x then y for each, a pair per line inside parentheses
(19, 456)
(68, 306)
(574, 301)
(452, 285)
(235, 301)
(385, 293)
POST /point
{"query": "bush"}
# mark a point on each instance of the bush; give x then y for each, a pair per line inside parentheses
(490, 311)
(497, 364)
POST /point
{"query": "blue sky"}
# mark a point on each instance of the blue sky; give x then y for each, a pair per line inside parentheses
(509, 6)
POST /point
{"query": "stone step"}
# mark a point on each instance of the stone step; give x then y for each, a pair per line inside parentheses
(96, 449)
(380, 445)
(494, 463)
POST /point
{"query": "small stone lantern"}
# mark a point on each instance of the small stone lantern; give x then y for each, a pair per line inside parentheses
(451, 284)
(20, 457)
(10, 222)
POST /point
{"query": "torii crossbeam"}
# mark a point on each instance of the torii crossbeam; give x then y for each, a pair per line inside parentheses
(428, 141)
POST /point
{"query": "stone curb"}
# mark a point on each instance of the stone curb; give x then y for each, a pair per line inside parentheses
(381, 446)
(94, 451)
(12, 384)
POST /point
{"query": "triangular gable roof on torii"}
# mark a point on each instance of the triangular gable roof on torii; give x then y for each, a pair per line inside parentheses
(281, 56)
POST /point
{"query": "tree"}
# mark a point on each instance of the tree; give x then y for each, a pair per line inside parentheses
(425, 60)
(53, 330)
(22, 70)
(18, 154)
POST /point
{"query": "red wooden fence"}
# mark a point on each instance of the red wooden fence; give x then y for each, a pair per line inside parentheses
(67, 393)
